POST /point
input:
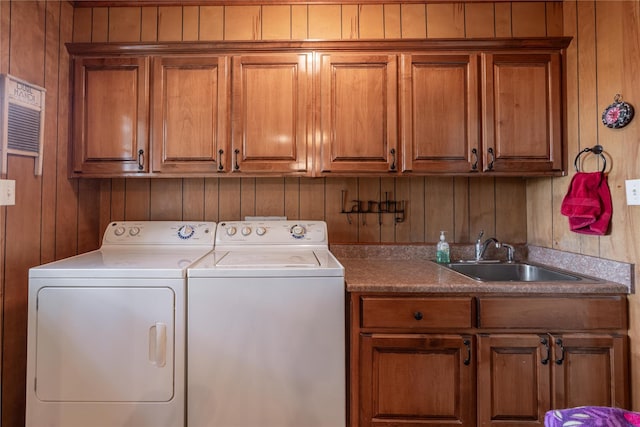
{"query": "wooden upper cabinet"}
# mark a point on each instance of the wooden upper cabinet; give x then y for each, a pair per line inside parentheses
(440, 117)
(189, 113)
(110, 116)
(319, 108)
(271, 117)
(358, 112)
(522, 110)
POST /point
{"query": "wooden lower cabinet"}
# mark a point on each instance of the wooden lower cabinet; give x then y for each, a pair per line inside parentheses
(416, 380)
(521, 376)
(419, 360)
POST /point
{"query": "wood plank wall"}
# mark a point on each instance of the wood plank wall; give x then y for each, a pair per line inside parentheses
(603, 60)
(48, 219)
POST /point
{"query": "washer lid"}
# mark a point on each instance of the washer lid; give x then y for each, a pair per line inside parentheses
(267, 263)
(268, 259)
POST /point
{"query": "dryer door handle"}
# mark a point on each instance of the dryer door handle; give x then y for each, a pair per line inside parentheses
(158, 344)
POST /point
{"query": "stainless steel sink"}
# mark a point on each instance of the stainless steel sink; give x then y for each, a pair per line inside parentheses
(514, 272)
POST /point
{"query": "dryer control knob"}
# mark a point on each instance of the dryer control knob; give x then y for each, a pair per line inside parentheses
(260, 231)
(298, 231)
(246, 231)
(119, 231)
(231, 231)
(134, 231)
(186, 231)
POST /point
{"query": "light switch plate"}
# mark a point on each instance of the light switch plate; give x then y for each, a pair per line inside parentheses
(7, 192)
(633, 191)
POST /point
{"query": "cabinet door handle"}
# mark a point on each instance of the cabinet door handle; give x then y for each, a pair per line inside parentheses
(561, 358)
(467, 344)
(220, 165)
(393, 159)
(140, 159)
(474, 165)
(545, 342)
(236, 166)
(418, 315)
(493, 158)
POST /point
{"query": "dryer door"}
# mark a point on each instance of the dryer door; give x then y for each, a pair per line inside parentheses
(105, 344)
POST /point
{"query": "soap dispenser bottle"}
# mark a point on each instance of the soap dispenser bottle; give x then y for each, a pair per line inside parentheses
(442, 250)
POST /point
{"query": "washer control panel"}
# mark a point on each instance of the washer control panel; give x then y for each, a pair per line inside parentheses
(159, 233)
(278, 232)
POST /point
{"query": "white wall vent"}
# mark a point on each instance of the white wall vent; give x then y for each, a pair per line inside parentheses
(22, 120)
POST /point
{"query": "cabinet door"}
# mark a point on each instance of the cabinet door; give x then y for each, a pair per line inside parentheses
(416, 380)
(513, 379)
(271, 115)
(590, 369)
(189, 113)
(440, 119)
(358, 112)
(110, 116)
(522, 112)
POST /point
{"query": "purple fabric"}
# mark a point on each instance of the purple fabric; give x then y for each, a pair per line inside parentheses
(592, 416)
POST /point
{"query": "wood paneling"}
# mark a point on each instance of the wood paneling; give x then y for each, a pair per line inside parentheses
(276, 22)
(100, 25)
(124, 24)
(413, 21)
(242, 23)
(211, 23)
(445, 20)
(324, 22)
(169, 23)
(149, 24)
(371, 21)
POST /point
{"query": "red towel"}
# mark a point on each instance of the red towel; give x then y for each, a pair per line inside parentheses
(588, 203)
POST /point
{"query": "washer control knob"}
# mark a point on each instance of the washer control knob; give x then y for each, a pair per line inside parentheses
(246, 231)
(134, 231)
(260, 231)
(298, 231)
(186, 231)
(231, 231)
(119, 231)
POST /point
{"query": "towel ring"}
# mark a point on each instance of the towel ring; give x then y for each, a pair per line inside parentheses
(596, 149)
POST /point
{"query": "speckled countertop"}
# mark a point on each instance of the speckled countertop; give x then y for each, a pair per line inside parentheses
(408, 268)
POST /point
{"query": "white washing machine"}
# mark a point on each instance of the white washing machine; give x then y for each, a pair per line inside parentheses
(266, 329)
(106, 329)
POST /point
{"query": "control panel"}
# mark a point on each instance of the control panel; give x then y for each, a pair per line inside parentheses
(278, 232)
(159, 233)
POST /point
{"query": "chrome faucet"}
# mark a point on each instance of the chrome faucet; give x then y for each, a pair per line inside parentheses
(510, 251)
(481, 247)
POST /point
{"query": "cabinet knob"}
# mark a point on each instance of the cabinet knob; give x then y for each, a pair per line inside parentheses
(393, 159)
(418, 315)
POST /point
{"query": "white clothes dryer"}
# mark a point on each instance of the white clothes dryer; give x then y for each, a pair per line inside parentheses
(106, 329)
